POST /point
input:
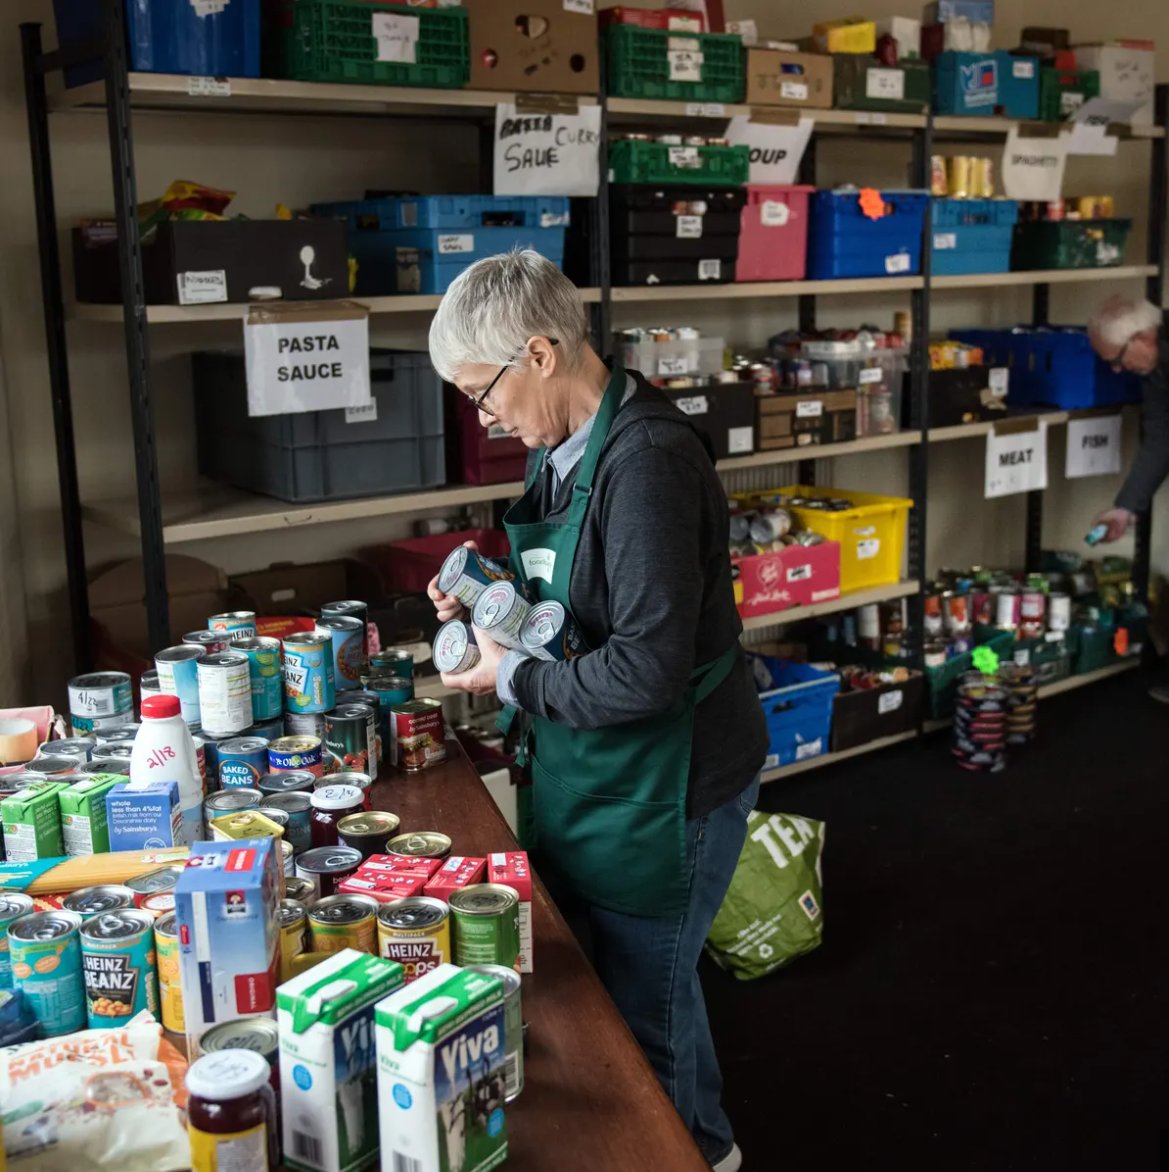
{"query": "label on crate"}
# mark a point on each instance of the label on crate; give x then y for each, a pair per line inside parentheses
(547, 154)
(209, 87)
(871, 374)
(202, 288)
(367, 413)
(944, 241)
(583, 7)
(684, 156)
(890, 701)
(710, 270)
(793, 91)
(810, 409)
(1093, 446)
(897, 263)
(1016, 461)
(810, 749)
(693, 405)
(396, 36)
(999, 381)
(867, 548)
(1070, 102)
(705, 110)
(888, 84)
(685, 64)
(462, 242)
(1023, 69)
(774, 213)
(740, 440)
(688, 227)
(675, 364)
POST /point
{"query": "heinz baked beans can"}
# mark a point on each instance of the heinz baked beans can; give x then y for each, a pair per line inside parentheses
(309, 683)
(549, 633)
(234, 624)
(466, 573)
(118, 963)
(416, 933)
(338, 922)
(170, 990)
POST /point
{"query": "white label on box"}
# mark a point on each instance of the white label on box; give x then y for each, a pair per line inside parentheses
(774, 213)
(209, 7)
(897, 263)
(889, 701)
(584, 7)
(705, 110)
(810, 749)
(685, 65)
(202, 288)
(769, 762)
(675, 364)
(810, 409)
(688, 227)
(367, 413)
(1023, 657)
(799, 573)
(1107, 254)
(885, 83)
(1016, 462)
(1025, 70)
(1093, 446)
(460, 243)
(209, 87)
(863, 118)
(554, 219)
(684, 156)
(943, 241)
(999, 380)
(1070, 102)
(710, 270)
(693, 405)
(871, 374)
(869, 548)
(747, 29)
(396, 36)
(740, 440)
(547, 154)
(793, 91)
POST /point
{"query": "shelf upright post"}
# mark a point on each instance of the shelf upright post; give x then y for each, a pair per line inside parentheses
(1033, 548)
(56, 346)
(117, 84)
(807, 176)
(600, 258)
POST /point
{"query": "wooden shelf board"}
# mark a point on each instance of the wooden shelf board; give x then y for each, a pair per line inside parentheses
(785, 771)
(634, 110)
(763, 289)
(847, 601)
(945, 125)
(985, 427)
(1089, 677)
(876, 443)
(1044, 277)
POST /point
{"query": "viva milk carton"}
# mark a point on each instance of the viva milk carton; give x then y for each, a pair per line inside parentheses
(328, 1063)
(440, 1071)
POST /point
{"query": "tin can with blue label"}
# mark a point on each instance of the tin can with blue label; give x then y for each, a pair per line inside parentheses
(234, 624)
(118, 965)
(178, 675)
(297, 805)
(242, 762)
(392, 661)
(265, 673)
(466, 574)
(45, 949)
(308, 672)
(100, 701)
(299, 753)
(350, 608)
(13, 905)
(550, 633)
(348, 635)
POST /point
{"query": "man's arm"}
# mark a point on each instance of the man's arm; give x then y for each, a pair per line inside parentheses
(1151, 465)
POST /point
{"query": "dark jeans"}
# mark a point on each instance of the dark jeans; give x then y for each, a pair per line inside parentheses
(650, 967)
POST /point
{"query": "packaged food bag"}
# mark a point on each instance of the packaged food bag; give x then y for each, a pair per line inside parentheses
(772, 912)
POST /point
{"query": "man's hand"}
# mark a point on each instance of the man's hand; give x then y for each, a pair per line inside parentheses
(447, 605)
(1118, 521)
(479, 680)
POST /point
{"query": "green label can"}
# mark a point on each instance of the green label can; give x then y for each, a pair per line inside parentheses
(486, 922)
(118, 964)
(13, 905)
(46, 966)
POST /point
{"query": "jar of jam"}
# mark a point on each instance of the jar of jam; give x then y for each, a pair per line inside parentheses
(331, 803)
(232, 1113)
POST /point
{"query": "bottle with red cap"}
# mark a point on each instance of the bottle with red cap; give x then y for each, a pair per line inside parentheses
(165, 751)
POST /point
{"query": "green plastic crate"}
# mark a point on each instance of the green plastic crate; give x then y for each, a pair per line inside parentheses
(1069, 244)
(658, 162)
(942, 682)
(333, 40)
(639, 64)
(1063, 91)
(1049, 659)
(860, 82)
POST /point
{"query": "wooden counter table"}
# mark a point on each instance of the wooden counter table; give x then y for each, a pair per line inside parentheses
(590, 1100)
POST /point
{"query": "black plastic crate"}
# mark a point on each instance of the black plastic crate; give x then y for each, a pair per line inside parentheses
(711, 271)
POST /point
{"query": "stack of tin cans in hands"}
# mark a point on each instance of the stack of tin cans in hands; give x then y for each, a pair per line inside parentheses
(980, 724)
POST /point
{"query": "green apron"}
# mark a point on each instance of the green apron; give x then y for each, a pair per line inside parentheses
(610, 804)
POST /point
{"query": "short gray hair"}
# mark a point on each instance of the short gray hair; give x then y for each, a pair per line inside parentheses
(493, 308)
(1120, 318)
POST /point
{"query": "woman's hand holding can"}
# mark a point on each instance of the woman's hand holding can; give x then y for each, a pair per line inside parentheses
(479, 680)
(447, 606)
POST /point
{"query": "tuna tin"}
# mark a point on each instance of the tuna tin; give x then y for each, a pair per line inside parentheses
(350, 608)
(486, 920)
(548, 633)
(99, 701)
(395, 661)
(324, 867)
(308, 672)
(368, 831)
(302, 890)
(420, 844)
(416, 933)
(455, 649)
(293, 917)
(301, 754)
(225, 693)
(347, 738)
(348, 635)
(160, 881)
(45, 948)
(501, 611)
(170, 990)
(118, 964)
(264, 673)
(417, 735)
(231, 801)
(234, 624)
(242, 762)
(79, 748)
(466, 574)
(343, 921)
(513, 1026)
(178, 675)
(287, 781)
(93, 901)
(212, 642)
(258, 1034)
(13, 905)
(297, 805)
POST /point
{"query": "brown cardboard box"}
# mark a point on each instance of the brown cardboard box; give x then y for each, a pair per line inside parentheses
(771, 81)
(792, 419)
(287, 589)
(533, 46)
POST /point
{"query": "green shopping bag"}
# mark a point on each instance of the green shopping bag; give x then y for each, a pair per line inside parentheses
(773, 909)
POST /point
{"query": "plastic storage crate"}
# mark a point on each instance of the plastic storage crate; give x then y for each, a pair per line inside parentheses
(877, 375)
(683, 67)
(1070, 244)
(972, 235)
(476, 454)
(337, 40)
(448, 212)
(797, 704)
(864, 715)
(632, 161)
(317, 455)
(844, 242)
(1063, 91)
(409, 564)
(773, 234)
(984, 84)
(700, 357)
(862, 83)
(942, 682)
(1049, 658)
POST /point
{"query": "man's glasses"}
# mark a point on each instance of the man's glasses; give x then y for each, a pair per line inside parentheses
(1117, 363)
(480, 401)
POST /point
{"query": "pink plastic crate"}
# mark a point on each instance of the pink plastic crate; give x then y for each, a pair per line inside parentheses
(411, 563)
(773, 237)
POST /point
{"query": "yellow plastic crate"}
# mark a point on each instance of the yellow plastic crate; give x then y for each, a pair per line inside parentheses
(853, 34)
(871, 534)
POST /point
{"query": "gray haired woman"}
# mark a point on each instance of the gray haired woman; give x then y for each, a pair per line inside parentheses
(645, 746)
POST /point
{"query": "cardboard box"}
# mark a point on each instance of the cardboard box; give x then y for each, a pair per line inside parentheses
(797, 575)
(84, 822)
(905, 30)
(145, 818)
(850, 35)
(952, 11)
(791, 419)
(456, 872)
(532, 46)
(775, 78)
(288, 589)
(1127, 74)
(724, 412)
(32, 822)
(511, 869)
(862, 715)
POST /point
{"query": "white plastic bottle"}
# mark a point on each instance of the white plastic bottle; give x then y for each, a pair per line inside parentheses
(165, 751)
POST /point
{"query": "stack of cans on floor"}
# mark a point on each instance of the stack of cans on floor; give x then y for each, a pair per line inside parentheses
(1022, 702)
(980, 724)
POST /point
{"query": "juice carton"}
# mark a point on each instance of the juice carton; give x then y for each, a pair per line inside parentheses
(84, 822)
(455, 872)
(511, 869)
(440, 1070)
(144, 818)
(32, 822)
(225, 909)
(328, 1061)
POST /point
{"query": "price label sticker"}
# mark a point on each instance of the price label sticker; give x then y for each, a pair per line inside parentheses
(944, 241)
(868, 548)
(810, 409)
(864, 118)
(897, 263)
(688, 227)
(685, 64)
(674, 364)
(209, 87)
(793, 91)
(1023, 70)
(710, 270)
(460, 243)
(871, 374)
(684, 156)
(773, 213)
(202, 288)
(705, 110)
(999, 380)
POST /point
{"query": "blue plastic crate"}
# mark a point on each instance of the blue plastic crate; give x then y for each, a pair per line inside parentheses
(985, 84)
(1053, 367)
(844, 242)
(797, 702)
(169, 36)
(972, 235)
(427, 260)
(449, 211)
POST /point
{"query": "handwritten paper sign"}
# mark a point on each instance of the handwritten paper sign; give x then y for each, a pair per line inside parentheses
(396, 36)
(547, 154)
(776, 151)
(1016, 462)
(1033, 168)
(1093, 447)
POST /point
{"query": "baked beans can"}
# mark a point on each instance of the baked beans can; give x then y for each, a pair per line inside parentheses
(416, 933)
(265, 674)
(1059, 611)
(513, 1026)
(417, 735)
(309, 685)
(296, 804)
(956, 613)
(225, 693)
(454, 649)
(118, 964)
(369, 831)
(231, 801)
(394, 661)
(1007, 610)
(550, 633)
(88, 902)
(501, 611)
(242, 762)
(293, 918)
(160, 881)
(100, 701)
(349, 662)
(338, 922)
(212, 642)
(234, 624)
(178, 675)
(466, 573)
(159, 904)
(13, 905)
(300, 753)
(170, 989)
(325, 866)
(419, 844)
(299, 889)
(486, 922)
(347, 739)
(350, 608)
(304, 724)
(45, 948)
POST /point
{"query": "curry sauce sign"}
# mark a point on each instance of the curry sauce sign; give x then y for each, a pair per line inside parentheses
(307, 357)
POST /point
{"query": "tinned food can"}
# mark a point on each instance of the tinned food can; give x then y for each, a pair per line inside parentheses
(156, 882)
(325, 866)
(45, 948)
(265, 674)
(118, 963)
(293, 918)
(299, 889)
(350, 608)
(416, 933)
(347, 738)
(296, 805)
(348, 636)
(13, 905)
(420, 844)
(368, 832)
(486, 920)
(88, 902)
(231, 801)
(79, 748)
(287, 781)
(170, 989)
(309, 684)
(212, 642)
(247, 1033)
(550, 633)
(417, 735)
(501, 611)
(100, 701)
(225, 693)
(395, 661)
(234, 623)
(344, 921)
(1008, 609)
(242, 762)
(513, 1026)
(300, 753)
(454, 648)
(1059, 611)
(466, 573)
(304, 724)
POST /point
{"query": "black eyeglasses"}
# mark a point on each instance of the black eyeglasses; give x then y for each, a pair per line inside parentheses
(1117, 363)
(481, 400)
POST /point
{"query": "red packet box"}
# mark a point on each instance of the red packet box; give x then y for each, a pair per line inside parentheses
(384, 886)
(397, 865)
(455, 872)
(511, 869)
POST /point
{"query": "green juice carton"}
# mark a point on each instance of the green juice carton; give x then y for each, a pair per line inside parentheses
(32, 822)
(84, 826)
(441, 1056)
(328, 1061)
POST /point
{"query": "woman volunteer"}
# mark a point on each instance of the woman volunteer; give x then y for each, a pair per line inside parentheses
(644, 749)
